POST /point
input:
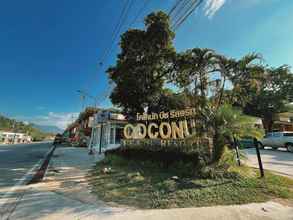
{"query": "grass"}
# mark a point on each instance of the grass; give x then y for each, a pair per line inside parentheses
(147, 185)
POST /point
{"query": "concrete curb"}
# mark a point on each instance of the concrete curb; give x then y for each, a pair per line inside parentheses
(36, 173)
(40, 172)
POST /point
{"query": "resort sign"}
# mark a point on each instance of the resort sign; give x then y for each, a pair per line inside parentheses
(172, 125)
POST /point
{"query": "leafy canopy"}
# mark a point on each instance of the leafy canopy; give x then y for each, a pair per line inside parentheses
(142, 65)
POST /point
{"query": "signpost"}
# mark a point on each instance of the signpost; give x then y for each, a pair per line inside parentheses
(235, 143)
(258, 158)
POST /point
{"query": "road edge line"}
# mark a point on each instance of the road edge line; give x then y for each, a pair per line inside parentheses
(26, 178)
(41, 171)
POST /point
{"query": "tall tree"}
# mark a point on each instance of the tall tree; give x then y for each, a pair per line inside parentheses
(141, 67)
(226, 68)
(275, 92)
(170, 100)
(192, 71)
(247, 77)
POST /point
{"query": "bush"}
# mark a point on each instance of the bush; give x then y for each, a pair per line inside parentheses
(186, 158)
(163, 157)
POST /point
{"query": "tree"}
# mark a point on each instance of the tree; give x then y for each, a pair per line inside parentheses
(275, 92)
(192, 70)
(227, 123)
(226, 68)
(12, 125)
(169, 100)
(141, 67)
(246, 78)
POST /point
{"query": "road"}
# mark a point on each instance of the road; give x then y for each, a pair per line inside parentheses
(17, 160)
(279, 161)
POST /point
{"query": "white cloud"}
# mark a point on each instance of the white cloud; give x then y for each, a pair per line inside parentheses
(61, 120)
(212, 6)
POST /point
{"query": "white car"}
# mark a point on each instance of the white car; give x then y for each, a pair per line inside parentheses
(278, 139)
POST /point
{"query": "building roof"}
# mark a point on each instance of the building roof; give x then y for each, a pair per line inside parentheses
(286, 114)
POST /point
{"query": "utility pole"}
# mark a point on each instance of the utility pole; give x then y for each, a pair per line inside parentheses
(13, 126)
(85, 94)
(95, 99)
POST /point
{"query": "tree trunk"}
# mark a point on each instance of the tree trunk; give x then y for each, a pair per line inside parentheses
(268, 124)
(221, 93)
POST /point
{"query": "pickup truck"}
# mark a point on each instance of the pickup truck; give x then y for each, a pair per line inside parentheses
(278, 139)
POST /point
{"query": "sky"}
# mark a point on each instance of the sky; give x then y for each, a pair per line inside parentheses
(50, 49)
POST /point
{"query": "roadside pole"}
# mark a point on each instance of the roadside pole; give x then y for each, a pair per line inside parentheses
(91, 151)
(237, 150)
(101, 136)
(258, 158)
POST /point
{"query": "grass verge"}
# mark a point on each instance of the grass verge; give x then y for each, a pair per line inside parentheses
(147, 185)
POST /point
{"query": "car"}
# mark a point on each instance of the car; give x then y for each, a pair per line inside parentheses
(58, 139)
(278, 139)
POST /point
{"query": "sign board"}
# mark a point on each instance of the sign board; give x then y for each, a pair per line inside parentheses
(168, 127)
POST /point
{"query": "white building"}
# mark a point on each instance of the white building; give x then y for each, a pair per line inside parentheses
(14, 138)
(107, 130)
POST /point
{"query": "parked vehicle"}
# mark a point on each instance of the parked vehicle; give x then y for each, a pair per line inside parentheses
(58, 139)
(246, 143)
(278, 139)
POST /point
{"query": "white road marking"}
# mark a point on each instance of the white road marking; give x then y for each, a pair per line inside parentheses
(19, 183)
(22, 181)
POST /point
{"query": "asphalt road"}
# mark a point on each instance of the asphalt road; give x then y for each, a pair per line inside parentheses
(17, 160)
(279, 161)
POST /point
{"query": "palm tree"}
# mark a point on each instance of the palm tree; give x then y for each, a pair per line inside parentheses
(247, 76)
(226, 67)
(193, 68)
(228, 123)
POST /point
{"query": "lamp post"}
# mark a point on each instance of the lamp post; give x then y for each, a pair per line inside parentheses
(83, 95)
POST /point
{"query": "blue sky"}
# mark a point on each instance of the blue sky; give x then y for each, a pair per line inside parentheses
(50, 49)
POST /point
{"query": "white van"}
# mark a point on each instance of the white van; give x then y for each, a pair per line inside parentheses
(278, 139)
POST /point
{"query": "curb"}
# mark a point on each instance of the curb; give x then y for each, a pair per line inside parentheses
(35, 174)
(41, 171)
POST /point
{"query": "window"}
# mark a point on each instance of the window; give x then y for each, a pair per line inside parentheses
(119, 135)
(268, 135)
(112, 137)
(277, 134)
(288, 134)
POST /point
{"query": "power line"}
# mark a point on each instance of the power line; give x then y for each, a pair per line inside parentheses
(145, 3)
(180, 11)
(174, 7)
(194, 5)
(181, 6)
(120, 24)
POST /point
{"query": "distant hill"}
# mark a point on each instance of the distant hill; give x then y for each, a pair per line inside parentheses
(7, 124)
(48, 128)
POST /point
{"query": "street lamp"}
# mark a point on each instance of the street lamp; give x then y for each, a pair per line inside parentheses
(83, 95)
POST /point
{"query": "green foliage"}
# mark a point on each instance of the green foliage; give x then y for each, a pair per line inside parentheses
(232, 122)
(169, 100)
(171, 158)
(142, 65)
(289, 107)
(246, 77)
(275, 92)
(123, 185)
(229, 157)
(7, 124)
(229, 122)
(192, 71)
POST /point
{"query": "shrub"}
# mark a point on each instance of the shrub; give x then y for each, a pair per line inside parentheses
(163, 157)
